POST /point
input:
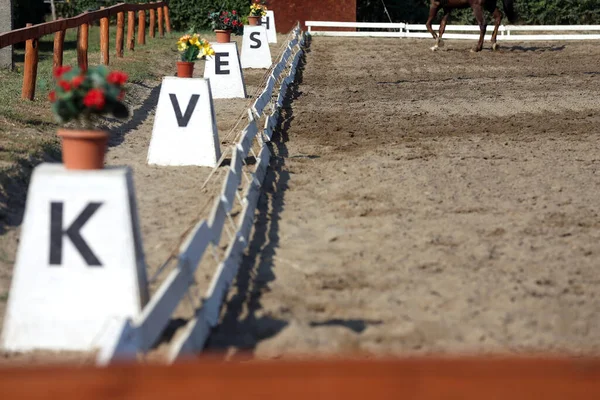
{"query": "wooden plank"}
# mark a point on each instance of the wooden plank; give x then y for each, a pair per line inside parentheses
(152, 27)
(131, 30)
(156, 315)
(489, 378)
(167, 19)
(141, 27)
(247, 137)
(59, 41)
(82, 46)
(195, 244)
(161, 20)
(30, 69)
(338, 24)
(236, 161)
(105, 57)
(230, 185)
(192, 339)
(217, 220)
(222, 280)
(120, 34)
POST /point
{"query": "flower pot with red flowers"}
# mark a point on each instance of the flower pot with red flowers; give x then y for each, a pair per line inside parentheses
(80, 97)
(257, 11)
(224, 23)
(191, 48)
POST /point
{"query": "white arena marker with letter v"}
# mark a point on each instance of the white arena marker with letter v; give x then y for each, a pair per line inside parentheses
(185, 126)
(80, 263)
(225, 72)
(255, 48)
(269, 22)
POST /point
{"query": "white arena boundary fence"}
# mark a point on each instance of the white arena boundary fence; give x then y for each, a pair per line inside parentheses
(505, 32)
(138, 336)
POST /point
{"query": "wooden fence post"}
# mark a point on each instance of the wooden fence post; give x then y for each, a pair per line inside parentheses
(141, 27)
(59, 41)
(30, 68)
(130, 30)
(82, 46)
(167, 19)
(120, 33)
(104, 40)
(161, 30)
(152, 22)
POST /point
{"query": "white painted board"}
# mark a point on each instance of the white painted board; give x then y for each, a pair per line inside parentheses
(80, 265)
(224, 70)
(185, 128)
(256, 52)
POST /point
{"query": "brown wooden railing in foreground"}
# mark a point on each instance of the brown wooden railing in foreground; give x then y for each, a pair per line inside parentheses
(415, 379)
(31, 34)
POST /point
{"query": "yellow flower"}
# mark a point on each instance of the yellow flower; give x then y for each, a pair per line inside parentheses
(182, 46)
(194, 41)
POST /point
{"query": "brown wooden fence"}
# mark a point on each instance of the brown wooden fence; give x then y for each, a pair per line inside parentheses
(31, 34)
(416, 379)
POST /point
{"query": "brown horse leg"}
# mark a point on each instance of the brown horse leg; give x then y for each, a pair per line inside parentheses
(497, 18)
(439, 42)
(433, 9)
(478, 11)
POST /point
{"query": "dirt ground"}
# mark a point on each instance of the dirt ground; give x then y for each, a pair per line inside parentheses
(169, 199)
(424, 202)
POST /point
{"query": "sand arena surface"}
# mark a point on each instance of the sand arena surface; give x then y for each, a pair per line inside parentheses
(424, 202)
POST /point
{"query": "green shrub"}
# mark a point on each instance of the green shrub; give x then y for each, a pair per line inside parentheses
(193, 14)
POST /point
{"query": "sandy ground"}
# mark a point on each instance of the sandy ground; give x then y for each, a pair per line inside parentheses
(169, 199)
(424, 202)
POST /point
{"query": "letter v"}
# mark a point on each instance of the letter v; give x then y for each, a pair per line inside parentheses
(183, 120)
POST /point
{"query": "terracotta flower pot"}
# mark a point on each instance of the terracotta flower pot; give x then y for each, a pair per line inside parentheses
(185, 69)
(254, 20)
(223, 36)
(83, 149)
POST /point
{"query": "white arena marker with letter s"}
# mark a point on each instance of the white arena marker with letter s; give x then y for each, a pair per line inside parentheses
(269, 22)
(185, 126)
(80, 264)
(255, 48)
(225, 72)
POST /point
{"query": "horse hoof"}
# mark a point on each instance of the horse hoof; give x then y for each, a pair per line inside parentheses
(434, 48)
(495, 47)
(440, 43)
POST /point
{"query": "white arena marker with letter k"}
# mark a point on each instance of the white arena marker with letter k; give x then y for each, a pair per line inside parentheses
(80, 264)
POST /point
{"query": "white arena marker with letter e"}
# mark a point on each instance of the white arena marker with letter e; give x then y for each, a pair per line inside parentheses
(185, 126)
(225, 72)
(255, 48)
(80, 264)
(269, 22)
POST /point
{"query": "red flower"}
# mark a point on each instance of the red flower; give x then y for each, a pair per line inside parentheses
(66, 86)
(77, 81)
(59, 71)
(94, 99)
(226, 20)
(117, 78)
(234, 12)
(52, 96)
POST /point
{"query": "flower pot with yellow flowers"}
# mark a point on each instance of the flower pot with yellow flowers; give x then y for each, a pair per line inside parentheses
(191, 48)
(81, 96)
(257, 11)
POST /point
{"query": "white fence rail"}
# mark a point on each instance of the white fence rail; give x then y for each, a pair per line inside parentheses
(141, 334)
(506, 32)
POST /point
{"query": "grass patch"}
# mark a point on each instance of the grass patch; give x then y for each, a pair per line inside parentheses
(27, 128)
